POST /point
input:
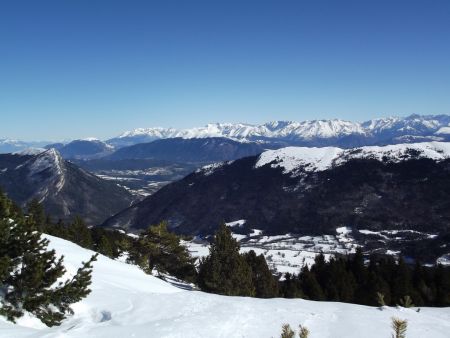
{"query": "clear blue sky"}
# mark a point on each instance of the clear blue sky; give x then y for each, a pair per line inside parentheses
(73, 69)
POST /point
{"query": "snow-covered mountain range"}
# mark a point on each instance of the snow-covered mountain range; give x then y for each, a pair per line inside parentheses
(414, 128)
(315, 133)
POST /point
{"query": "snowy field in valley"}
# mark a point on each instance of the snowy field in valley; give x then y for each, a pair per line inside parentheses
(290, 252)
(125, 302)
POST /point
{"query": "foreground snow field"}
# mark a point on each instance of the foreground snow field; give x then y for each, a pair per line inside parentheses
(125, 302)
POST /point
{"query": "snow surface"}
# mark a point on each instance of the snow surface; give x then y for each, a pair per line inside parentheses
(443, 130)
(125, 302)
(238, 223)
(291, 159)
(211, 168)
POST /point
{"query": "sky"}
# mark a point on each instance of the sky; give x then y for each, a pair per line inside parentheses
(74, 69)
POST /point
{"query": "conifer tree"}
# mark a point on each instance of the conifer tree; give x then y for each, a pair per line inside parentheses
(159, 249)
(401, 281)
(29, 271)
(80, 234)
(310, 285)
(442, 285)
(265, 284)
(36, 213)
(225, 271)
(105, 247)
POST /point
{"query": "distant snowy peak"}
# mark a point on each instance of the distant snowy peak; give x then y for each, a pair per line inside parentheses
(30, 151)
(157, 132)
(389, 130)
(412, 125)
(295, 160)
(305, 129)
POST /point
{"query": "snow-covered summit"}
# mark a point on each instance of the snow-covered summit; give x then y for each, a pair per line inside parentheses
(292, 159)
(48, 159)
(51, 162)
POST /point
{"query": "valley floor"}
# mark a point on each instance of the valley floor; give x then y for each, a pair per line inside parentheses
(125, 302)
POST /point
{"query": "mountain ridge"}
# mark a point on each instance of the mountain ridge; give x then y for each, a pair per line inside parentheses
(64, 189)
(403, 188)
(310, 133)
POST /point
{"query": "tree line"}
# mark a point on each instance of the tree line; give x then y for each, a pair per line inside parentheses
(380, 281)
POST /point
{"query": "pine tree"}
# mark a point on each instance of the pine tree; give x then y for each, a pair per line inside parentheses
(401, 281)
(28, 272)
(80, 234)
(36, 214)
(104, 246)
(159, 249)
(442, 285)
(225, 271)
(265, 284)
(310, 285)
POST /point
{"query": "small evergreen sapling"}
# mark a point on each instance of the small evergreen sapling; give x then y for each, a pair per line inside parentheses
(303, 332)
(287, 332)
(380, 299)
(399, 326)
(406, 301)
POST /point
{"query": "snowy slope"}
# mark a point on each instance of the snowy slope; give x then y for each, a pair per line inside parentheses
(292, 159)
(127, 303)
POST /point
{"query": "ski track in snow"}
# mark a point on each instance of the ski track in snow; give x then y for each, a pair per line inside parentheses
(125, 302)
